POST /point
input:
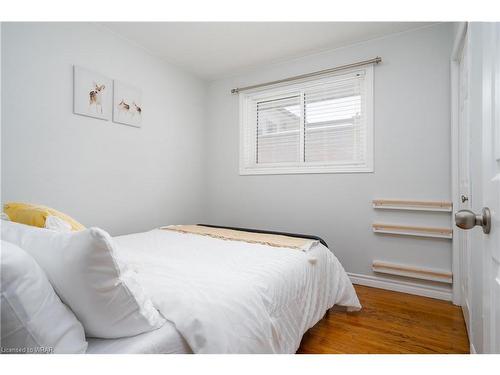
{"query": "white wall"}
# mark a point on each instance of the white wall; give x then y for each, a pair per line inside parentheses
(182, 165)
(412, 157)
(120, 178)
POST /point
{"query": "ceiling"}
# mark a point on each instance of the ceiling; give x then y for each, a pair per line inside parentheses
(212, 50)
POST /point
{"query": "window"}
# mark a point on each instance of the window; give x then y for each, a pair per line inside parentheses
(318, 126)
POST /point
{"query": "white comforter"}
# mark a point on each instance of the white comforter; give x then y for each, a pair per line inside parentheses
(236, 297)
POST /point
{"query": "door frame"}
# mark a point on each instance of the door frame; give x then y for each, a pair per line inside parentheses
(460, 38)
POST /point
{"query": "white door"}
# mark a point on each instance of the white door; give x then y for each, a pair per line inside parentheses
(464, 189)
(491, 183)
(481, 257)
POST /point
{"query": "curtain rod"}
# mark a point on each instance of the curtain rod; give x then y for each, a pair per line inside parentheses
(376, 60)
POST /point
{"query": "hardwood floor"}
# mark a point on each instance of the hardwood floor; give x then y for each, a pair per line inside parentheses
(390, 322)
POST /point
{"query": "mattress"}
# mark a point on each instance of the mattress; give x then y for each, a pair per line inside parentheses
(164, 340)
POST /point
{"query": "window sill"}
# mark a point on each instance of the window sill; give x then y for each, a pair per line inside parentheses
(248, 171)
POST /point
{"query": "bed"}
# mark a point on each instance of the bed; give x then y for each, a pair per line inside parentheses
(164, 340)
(221, 296)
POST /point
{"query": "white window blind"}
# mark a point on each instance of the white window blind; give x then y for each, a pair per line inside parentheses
(318, 126)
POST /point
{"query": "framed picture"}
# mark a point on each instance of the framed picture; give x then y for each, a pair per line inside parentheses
(127, 104)
(91, 93)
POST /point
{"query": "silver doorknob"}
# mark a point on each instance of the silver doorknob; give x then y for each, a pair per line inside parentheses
(466, 219)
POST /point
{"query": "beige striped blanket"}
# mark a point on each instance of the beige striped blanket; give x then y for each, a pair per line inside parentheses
(274, 240)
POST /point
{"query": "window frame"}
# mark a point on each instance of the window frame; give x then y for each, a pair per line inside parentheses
(301, 167)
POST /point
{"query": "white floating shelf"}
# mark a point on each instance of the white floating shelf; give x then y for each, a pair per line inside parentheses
(395, 204)
(413, 272)
(404, 230)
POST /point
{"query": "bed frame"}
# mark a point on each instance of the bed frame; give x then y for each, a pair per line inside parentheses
(308, 236)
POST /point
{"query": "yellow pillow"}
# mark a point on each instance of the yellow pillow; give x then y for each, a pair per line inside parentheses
(35, 215)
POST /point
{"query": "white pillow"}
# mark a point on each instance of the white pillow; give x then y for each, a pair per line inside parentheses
(85, 273)
(34, 320)
(57, 224)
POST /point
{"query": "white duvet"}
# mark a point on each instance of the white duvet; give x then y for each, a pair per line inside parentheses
(236, 297)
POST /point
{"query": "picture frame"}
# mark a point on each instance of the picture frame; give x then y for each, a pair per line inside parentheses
(127, 104)
(91, 93)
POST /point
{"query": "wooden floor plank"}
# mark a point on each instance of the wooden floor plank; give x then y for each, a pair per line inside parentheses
(390, 322)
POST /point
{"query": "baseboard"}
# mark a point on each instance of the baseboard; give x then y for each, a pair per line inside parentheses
(401, 286)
